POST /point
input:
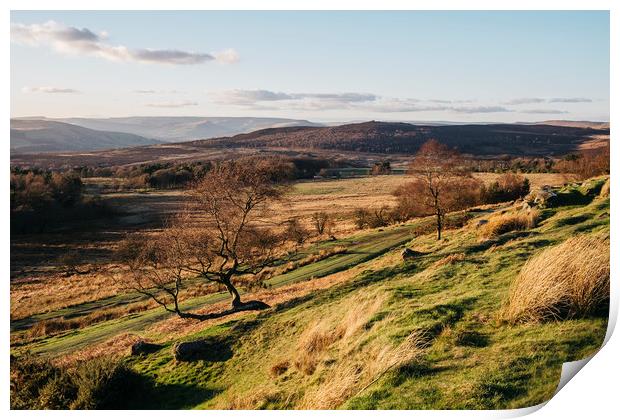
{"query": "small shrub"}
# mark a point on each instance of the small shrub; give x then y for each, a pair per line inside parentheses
(279, 368)
(565, 281)
(508, 187)
(322, 223)
(361, 218)
(29, 376)
(296, 232)
(103, 383)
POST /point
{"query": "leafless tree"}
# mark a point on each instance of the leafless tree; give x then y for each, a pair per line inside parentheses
(441, 184)
(322, 222)
(218, 238)
(296, 232)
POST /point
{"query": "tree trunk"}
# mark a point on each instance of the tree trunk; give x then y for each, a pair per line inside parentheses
(236, 302)
(438, 226)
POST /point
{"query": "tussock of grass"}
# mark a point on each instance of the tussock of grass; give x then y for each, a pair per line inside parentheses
(351, 377)
(448, 260)
(320, 335)
(567, 280)
(279, 368)
(605, 189)
(509, 222)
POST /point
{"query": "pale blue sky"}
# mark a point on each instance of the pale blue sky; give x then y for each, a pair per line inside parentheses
(323, 66)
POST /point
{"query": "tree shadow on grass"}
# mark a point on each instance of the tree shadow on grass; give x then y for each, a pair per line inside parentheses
(146, 394)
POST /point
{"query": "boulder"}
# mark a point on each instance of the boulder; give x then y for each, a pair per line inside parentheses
(408, 254)
(481, 223)
(143, 347)
(208, 349)
(189, 350)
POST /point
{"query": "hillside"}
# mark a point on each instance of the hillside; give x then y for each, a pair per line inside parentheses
(39, 136)
(365, 330)
(388, 137)
(171, 129)
(390, 335)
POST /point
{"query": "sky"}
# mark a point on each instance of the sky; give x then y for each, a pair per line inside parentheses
(322, 66)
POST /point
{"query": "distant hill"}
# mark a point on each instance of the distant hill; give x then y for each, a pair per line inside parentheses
(599, 125)
(173, 129)
(363, 142)
(34, 136)
(391, 137)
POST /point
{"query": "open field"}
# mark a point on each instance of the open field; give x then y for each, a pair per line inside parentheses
(37, 282)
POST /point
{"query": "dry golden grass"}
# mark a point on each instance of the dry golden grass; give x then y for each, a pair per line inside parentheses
(257, 399)
(53, 326)
(605, 189)
(119, 345)
(352, 375)
(335, 353)
(321, 334)
(448, 260)
(567, 280)
(50, 292)
(321, 255)
(536, 180)
(509, 222)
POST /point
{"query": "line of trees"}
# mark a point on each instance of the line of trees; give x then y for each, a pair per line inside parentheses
(42, 198)
(165, 175)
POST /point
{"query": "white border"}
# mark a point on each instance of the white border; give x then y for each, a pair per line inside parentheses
(592, 395)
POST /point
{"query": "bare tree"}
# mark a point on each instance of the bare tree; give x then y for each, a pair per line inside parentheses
(441, 184)
(322, 222)
(296, 232)
(217, 239)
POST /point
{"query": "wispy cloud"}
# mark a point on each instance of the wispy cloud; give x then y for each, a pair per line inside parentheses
(155, 91)
(528, 101)
(543, 111)
(523, 101)
(71, 40)
(404, 105)
(262, 99)
(480, 109)
(250, 97)
(570, 100)
(181, 104)
(48, 89)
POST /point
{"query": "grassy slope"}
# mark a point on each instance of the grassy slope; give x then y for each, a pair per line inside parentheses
(469, 360)
(359, 248)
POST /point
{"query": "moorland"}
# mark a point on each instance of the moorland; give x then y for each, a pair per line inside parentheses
(310, 267)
